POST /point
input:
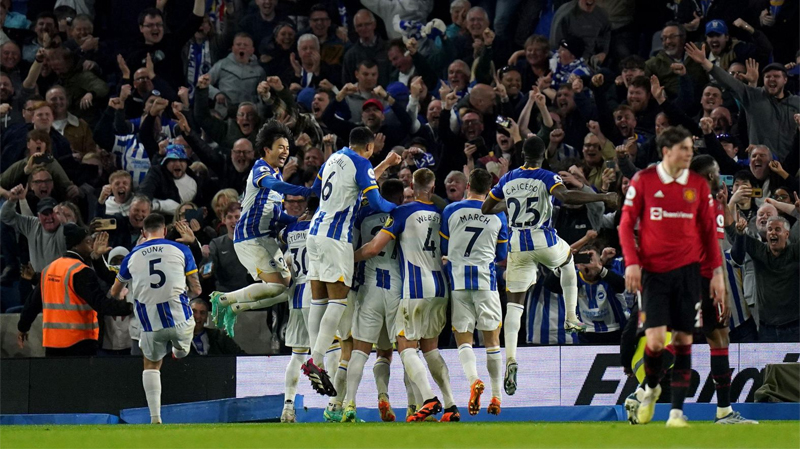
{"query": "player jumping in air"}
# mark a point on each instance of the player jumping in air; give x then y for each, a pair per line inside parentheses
(527, 193)
(471, 243)
(158, 272)
(255, 238)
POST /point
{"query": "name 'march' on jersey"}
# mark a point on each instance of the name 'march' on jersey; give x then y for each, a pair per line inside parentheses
(156, 274)
(416, 227)
(344, 177)
(261, 207)
(478, 240)
(382, 270)
(527, 193)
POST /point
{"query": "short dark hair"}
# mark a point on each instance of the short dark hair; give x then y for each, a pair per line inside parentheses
(153, 222)
(367, 63)
(480, 181)
(319, 7)
(233, 208)
(702, 164)
(631, 62)
(46, 15)
(744, 175)
(679, 26)
(361, 136)
(202, 301)
(150, 12)
(671, 137)
(397, 43)
(269, 133)
(533, 148)
(392, 187)
(312, 203)
(243, 34)
(324, 91)
(642, 82)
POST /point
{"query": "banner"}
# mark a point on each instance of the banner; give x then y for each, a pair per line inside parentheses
(547, 376)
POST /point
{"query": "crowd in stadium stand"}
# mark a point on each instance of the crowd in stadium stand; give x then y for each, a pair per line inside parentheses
(113, 109)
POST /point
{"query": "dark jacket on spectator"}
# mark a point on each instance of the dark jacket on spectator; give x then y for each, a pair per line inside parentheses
(218, 344)
(14, 145)
(224, 132)
(220, 163)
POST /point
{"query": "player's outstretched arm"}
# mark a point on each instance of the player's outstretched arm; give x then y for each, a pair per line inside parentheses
(492, 206)
(377, 203)
(272, 183)
(374, 247)
(193, 281)
(116, 289)
(576, 197)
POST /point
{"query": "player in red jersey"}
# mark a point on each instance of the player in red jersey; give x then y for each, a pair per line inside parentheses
(715, 318)
(677, 235)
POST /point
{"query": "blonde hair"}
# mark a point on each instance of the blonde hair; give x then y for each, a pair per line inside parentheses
(232, 196)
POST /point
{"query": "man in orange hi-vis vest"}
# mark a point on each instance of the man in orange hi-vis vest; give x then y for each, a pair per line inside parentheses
(70, 297)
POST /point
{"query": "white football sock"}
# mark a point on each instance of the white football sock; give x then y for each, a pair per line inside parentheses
(293, 373)
(381, 371)
(511, 327)
(328, 327)
(569, 284)
(355, 371)
(333, 355)
(441, 375)
(416, 372)
(315, 314)
(267, 302)
(254, 292)
(151, 380)
(411, 397)
(494, 363)
(467, 358)
(340, 382)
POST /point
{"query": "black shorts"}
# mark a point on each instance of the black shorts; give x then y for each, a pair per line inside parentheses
(710, 317)
(670, 299)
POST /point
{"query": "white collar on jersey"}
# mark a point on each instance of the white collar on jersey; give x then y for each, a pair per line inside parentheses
(682, 179)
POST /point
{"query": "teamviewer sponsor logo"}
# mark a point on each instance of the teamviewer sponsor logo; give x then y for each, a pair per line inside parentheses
(656, 213)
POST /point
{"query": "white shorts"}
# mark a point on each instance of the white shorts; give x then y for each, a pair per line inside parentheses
(261, 255)
(476, 306)
(522, 265)
(345, 329)
(154, 344)
(375, 316)
(297, 329)
(329, 260)
(300, 296)
(419, 319)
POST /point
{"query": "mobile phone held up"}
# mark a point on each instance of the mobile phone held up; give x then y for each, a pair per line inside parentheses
(480, 144)
(505, 122)
(106, 224)
(45, 158)
(582, 258)
(193, 214)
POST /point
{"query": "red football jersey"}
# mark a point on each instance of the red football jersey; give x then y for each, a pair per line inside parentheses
(677, 222)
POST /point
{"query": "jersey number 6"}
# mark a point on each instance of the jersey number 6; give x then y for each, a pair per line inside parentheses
(327, 189)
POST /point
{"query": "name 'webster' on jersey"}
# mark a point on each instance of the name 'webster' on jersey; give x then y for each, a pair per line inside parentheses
(156, 274)
(526, 192)
(416, 226)
(478, 241)
(382, 270)
(262, 208)
(344, 177)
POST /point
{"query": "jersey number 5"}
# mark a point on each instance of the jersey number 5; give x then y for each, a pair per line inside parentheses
(162, 278)
(530, 208)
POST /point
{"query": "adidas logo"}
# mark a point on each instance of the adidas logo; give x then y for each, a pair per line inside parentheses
(659, 194)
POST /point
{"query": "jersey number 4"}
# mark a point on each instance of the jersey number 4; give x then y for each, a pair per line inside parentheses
(162, 278)
(530, 208)
(430, 244)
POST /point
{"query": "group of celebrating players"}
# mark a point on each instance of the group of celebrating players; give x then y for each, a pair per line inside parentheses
(364, 268)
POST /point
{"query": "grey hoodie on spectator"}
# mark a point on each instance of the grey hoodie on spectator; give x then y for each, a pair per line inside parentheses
(235, 80)
(44, 247)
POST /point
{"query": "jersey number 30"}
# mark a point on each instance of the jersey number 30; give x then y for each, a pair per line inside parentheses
(162, 278)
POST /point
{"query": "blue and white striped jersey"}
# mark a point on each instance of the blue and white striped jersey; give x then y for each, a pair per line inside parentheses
(156, 274)
(293, 238)
(382, 270)
(526, 192)
(477, 241)
(262, 207)
(415, 226)
(344, 177)
(131, 155)
(734, 279)
(546, 315)
(600, 306)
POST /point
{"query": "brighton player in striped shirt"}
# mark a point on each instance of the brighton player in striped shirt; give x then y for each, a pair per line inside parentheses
(422, 313)
(293, 237)
(255, 238)
(345, 176)
(159, 272)
(376, 306)
(478, 242)
(527, 193)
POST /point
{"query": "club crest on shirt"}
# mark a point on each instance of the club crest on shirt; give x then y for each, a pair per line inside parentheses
(389, 222)
(690, 195)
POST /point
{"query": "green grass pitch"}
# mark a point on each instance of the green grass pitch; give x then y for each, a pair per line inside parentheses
(773, 434)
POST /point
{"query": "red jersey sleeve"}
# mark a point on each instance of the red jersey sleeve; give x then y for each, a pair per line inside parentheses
(707, 227)
(631, 213)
